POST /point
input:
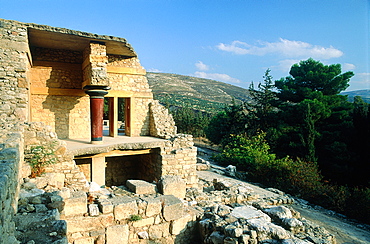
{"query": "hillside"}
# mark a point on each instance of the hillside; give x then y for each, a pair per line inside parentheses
(202, 94)
(365, 94)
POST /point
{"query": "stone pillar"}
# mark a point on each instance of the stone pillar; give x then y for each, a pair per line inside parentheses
(98, 170)
(96, 94)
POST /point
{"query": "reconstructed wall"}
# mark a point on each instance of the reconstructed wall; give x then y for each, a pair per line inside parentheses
(59, 69)
(127, 79)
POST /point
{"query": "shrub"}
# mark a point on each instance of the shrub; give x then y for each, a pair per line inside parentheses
(40, 156)
(135, 217)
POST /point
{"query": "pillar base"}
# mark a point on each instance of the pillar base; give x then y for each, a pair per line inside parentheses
(96, 142)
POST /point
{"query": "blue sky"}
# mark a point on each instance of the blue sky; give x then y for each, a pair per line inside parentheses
(233, 41)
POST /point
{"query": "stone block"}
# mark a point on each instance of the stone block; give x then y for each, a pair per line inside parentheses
(105, 206)
(117, 234)
(88, 240)
(84, 224)
(153, 206)
(172, 207)
(202, 167)
(143, 222)
(179, 225)
(141, 187)
(249, 212)
(76, 204)
(93, 210)
(159, 231)
(172, 185)
(124, 207)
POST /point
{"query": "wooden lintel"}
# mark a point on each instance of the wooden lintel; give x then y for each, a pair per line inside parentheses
(57, 91)
(117, 153)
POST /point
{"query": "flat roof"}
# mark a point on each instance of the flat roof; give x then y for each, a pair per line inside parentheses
(61, 38)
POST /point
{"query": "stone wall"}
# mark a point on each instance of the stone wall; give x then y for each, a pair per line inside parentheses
(67, 115)
(65, 171)
(13, 111)
(162, 124)
(178, 157)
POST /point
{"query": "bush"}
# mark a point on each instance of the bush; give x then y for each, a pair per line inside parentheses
(39, 156)
(297, 177)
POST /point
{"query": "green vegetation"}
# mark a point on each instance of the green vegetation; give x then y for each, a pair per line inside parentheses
(299, 134)
(135, 217)
(38, 157)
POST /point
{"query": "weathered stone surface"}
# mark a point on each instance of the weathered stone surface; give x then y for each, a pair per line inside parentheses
(179, 225)
(93, 210)
(249, 212)
(83, 224)
(172, 207)
(141, 187)
(143, 222)
(105, 206)
(76, 204)
(87, 240)
(153, 206)
(172, 185)
(117, 234)
(159, 231)
(124, 207)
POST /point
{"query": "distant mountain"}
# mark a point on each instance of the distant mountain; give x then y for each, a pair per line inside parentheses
(365, 94)
(201, 94)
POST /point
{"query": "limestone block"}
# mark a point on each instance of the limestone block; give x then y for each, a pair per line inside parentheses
(172, 185)
(93, 210)
(216, 238)
(76, 204)
(117, 234)
(124, 207)
(105, 206)
(179, 225)
(202, 167)
(83, 224)
(279, 212)
(249, 212)
(141, 187)
(88, 240)
(159, 231)
(143, 222)
(153, 206)
(173, 208)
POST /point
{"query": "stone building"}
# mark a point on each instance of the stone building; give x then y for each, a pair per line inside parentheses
(54, 84)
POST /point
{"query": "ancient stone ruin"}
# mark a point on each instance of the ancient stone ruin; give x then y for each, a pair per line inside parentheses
(119, 174)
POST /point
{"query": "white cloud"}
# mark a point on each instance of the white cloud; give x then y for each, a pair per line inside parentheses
(216, 76)
(286, 64)
(347, 66)
(284, 47)
(360, 81)
(154, 70)
(201, 66)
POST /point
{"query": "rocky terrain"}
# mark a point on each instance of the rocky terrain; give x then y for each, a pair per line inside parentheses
(222, 209)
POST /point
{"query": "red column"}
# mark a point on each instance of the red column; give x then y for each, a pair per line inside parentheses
(96, 112)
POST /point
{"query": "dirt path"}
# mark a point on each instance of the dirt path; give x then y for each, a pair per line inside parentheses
(345, 231)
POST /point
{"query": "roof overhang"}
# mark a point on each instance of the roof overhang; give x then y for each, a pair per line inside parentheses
(60, 38)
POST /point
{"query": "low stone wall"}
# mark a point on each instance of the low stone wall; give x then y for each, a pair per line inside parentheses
(11, 153)
(65, 171)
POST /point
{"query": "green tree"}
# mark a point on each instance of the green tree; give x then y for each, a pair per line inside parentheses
(310, 77)
(231, 120)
